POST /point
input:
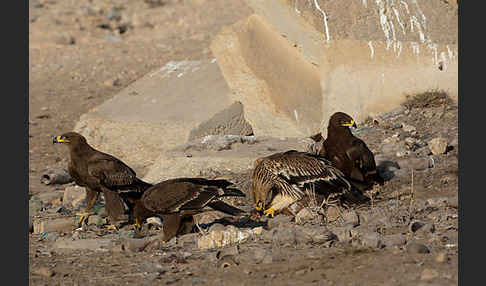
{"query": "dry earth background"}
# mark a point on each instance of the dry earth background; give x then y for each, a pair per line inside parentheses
(82, 53)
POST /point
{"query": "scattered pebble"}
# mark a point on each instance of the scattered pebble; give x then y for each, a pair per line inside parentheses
(438, 145)
(408, 128)
(441, 257)
(415, 247)
(44, 271)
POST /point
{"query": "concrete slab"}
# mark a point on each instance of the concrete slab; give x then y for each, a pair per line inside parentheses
(292, 66)
(159, 112)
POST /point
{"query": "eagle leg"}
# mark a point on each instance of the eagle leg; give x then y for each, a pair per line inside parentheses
(83, 217)
(137, 224)
(91, 197)
(111, 226)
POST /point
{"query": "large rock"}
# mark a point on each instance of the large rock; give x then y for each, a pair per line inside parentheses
(291, 67)
(162, 110)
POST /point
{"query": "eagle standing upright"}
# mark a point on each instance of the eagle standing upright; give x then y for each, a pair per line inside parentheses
(101, 172)
(347, 152)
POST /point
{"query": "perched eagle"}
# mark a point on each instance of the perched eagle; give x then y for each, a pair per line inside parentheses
(177, 200)
(101, 172)
(284, 178)
(347, 152)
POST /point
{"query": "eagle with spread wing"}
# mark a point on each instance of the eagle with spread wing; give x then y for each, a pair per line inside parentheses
(283, 178)
(177, 200)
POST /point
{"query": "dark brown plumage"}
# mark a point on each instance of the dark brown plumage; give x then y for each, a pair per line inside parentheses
(101, 172)
(347, 152)
(177, 200)
(284, 178)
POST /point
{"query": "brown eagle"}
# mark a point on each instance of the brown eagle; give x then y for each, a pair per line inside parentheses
(284, 178)
(101, 172)
(347, 152)
(177, 200)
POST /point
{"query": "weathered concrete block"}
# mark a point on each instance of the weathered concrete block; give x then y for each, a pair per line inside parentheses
(54, 225)
(171, 101)
(283, 57)
(98, 244)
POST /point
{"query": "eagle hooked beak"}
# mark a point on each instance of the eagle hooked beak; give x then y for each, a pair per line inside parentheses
(60, 139)
(259, 206)
(351, 124)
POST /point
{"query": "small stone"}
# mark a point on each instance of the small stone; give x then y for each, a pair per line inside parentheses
(216, 227)
(350, 218)
(304, 215)
(438, 145)
(332, 214)
(314, 234)
(220, 238)
(415, 225)
(134, 244)
(442, 202)
(257, 230)
(408, 128)
(441, 257)
(154, 221)
(112, 82)
(226, 261)
(429, 274)
(415, 247)
(65, 40)
(44, 271)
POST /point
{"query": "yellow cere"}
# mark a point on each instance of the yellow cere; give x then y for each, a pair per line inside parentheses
(351, 123)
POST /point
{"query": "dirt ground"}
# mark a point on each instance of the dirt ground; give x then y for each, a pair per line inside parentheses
(83, 52)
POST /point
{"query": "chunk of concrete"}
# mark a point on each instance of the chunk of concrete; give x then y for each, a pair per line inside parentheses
(65, 225)
(98, 244)
(291, 70)
(163, 110)
(229, 236)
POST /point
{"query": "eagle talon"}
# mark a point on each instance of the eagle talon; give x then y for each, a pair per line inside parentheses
(83, 217)
(270, 212)
(111, 226)
(137, 225)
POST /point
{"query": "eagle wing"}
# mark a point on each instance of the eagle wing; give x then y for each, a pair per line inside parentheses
(111, 172)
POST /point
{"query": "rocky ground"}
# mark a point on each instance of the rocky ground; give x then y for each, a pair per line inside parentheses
(83, 52)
